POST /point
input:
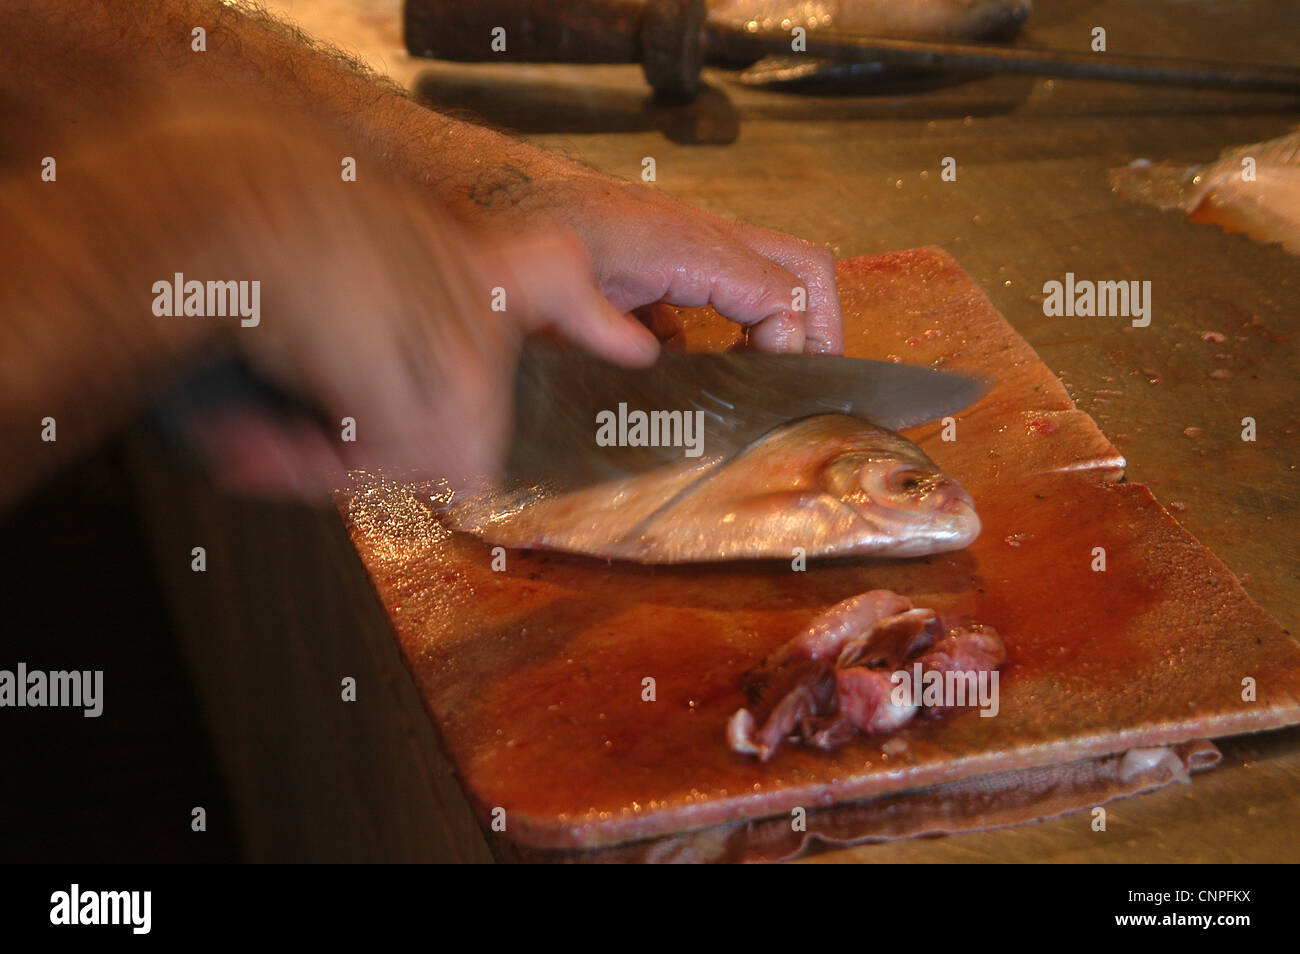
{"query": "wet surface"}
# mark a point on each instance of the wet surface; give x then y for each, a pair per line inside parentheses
(860, 170)
(534, 673)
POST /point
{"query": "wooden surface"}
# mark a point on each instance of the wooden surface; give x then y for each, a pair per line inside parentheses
(860, 172)
(533, 674)
(281, 616)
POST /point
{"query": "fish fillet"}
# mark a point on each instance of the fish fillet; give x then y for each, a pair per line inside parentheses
(1251, 189)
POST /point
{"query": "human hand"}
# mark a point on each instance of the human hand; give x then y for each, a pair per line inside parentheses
(649, 248)
(379, 308)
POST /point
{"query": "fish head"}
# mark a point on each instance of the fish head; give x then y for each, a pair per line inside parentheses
(912, 507)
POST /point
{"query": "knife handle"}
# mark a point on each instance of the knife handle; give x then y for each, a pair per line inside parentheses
(214, 382)
(664, 36)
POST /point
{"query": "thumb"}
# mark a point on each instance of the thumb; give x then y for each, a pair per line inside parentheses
(549, 281)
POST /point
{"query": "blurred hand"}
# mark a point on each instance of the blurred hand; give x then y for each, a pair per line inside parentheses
(379, 307)
(376, 307)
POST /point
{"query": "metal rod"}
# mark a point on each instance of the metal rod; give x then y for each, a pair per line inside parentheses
(974, 57)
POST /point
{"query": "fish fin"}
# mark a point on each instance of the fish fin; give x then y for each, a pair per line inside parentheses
(1282, 151)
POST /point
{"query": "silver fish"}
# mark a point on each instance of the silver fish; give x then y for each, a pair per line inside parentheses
(953, 20)
(905, 19)
(1264, 205)
(830, 484)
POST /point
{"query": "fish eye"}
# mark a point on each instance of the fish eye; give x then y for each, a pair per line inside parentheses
(908, 481)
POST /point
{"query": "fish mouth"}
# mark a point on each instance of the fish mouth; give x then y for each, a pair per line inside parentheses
(955, 524)
(949, 522)
(952, 498)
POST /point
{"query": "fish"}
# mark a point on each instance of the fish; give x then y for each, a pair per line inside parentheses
(1253, 189)
(840, 675)
(901, 19)
(823, 485)
(952, 20)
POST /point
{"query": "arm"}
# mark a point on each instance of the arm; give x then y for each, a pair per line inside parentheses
(374, 305)
(646, 247)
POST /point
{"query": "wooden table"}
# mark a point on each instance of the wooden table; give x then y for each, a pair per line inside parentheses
(1031, 202)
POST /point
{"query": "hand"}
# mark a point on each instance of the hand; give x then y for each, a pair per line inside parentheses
(649, 248)
(379, 307)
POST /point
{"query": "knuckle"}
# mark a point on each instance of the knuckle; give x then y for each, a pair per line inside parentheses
(770, 295)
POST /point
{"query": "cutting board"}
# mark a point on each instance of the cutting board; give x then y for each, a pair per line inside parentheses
(535, 675)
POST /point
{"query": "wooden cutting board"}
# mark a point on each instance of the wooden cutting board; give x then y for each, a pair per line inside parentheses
(534, 676)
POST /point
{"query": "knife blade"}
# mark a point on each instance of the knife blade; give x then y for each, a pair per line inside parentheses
(736, 398)
(562, 397)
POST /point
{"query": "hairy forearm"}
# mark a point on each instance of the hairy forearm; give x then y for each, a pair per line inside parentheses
(137, 121)
(116, 60)
(78, 77)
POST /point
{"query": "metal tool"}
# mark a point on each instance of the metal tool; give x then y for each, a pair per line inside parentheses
(560, 390)
(673, 39)
(737, 396)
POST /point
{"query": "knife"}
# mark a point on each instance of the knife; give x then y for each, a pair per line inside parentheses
(562, 396)
(559, 391)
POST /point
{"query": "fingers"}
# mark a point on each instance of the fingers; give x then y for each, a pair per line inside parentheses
(744, 287)
(782, 332)
(823, 324)
(551, 282)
